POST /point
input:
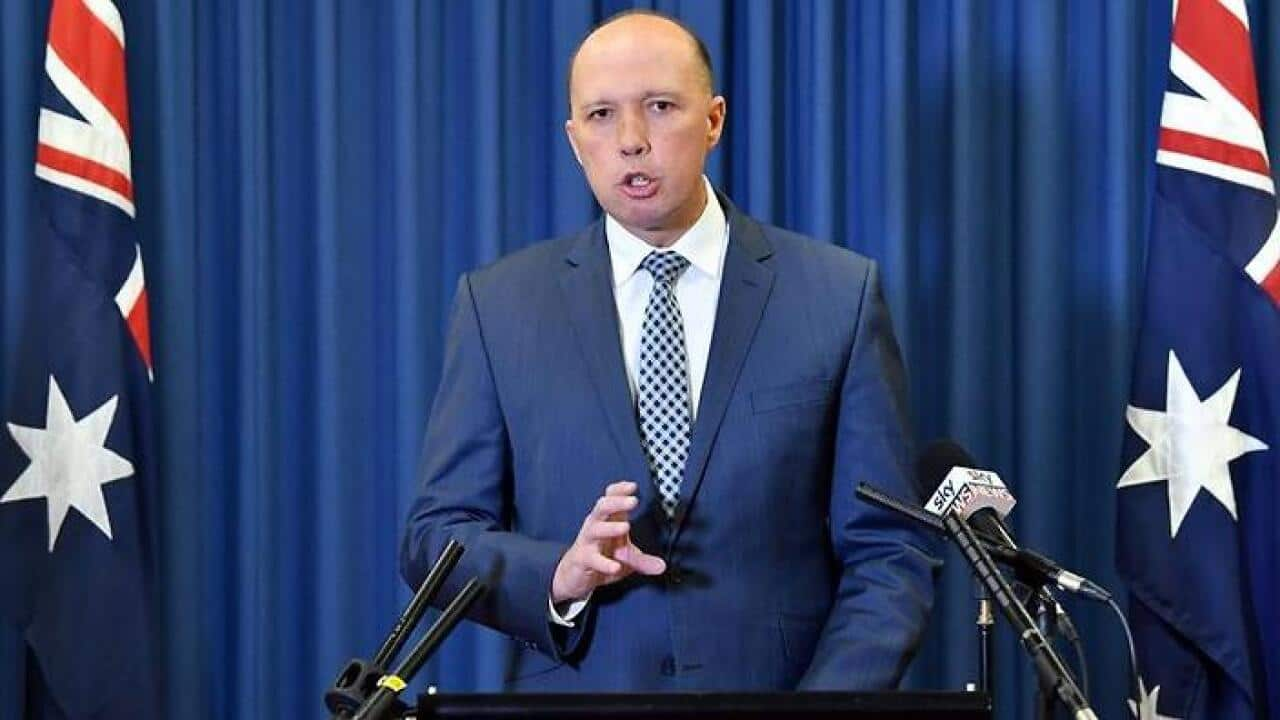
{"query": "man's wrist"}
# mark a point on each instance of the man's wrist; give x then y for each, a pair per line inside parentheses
(564, 614)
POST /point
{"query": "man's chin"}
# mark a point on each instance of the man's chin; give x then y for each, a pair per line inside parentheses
(640, 222)
(648, 227)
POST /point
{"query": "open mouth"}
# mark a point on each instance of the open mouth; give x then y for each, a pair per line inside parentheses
(639, 185)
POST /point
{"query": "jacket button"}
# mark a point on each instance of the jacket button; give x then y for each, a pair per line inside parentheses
(674, 576)
(668, 666)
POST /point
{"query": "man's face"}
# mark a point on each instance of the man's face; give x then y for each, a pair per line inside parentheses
(642, 122)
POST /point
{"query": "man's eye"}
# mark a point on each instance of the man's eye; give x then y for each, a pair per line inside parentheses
(662, 105)
(598, 114)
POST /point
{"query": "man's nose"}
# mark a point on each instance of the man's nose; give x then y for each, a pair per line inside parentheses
(633, 135)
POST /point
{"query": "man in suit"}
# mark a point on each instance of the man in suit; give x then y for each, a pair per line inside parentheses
(647, 434)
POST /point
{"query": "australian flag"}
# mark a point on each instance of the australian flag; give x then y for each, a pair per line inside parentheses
(76, 454)
(1199, 501)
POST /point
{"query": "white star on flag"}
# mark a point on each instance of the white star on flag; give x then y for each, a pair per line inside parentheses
(1145, 708)
(69, 462)
(1191, 443)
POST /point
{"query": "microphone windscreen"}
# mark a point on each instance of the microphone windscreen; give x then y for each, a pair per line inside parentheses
(936, 461)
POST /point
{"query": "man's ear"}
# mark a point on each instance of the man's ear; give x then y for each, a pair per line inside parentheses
(715, 120)
(573, 143)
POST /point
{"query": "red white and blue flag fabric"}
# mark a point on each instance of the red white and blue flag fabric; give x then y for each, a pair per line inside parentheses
(1198, 525)
(76, 452)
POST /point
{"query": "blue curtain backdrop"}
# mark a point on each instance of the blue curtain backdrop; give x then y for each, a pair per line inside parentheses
(313, 176)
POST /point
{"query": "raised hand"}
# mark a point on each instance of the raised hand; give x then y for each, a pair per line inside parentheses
(603, 552)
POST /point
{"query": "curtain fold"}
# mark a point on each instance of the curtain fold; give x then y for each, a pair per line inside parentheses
(312, 177)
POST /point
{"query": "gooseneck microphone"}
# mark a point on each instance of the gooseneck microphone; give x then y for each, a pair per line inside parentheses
(962, 491)
(1036, 569)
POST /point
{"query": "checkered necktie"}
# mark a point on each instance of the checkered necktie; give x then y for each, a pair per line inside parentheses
(663, 397)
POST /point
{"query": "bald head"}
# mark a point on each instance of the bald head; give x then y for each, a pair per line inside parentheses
(647, 27)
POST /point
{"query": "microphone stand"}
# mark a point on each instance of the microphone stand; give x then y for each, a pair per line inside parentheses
(1052, 671)
(1053, 621)
(986, 623)
(1044, 620)
(979, 549)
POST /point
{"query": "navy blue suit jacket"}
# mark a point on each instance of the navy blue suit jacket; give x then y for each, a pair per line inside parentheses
(779, 576)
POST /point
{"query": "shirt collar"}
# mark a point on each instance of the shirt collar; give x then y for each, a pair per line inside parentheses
(703, 244)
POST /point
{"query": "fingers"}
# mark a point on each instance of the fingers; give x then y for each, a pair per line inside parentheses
(603, 552)
(622, 487)
(610, 505)
(581, 570)
(585, 568)
(626, 559)
(605, 530)
(587, 564)
(619, 497)
(640, 561)
(601, 564)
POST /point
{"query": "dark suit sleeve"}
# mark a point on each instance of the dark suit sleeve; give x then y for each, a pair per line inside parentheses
(885, 590)
(465, 494)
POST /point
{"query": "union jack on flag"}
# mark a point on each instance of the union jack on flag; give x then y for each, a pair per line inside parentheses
(83, 140)
(1199, 500)
(76, 455)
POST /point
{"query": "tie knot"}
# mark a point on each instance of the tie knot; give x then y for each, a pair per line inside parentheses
(665, 267)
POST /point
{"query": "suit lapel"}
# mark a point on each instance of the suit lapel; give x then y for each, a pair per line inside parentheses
(744, 290)
(587, 285)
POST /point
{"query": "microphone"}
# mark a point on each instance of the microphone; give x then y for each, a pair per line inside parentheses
(412, 615)
(1035, 569)
(383, 702)
(962, 492)
(984, 500)
(1031, 567)
(958, 485)
(359, 678)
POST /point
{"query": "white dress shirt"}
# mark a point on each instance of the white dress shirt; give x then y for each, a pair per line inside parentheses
(697, 291)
